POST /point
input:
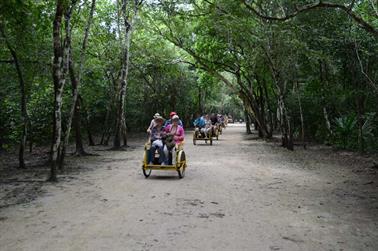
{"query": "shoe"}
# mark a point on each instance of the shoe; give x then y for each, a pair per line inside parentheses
(163, 163)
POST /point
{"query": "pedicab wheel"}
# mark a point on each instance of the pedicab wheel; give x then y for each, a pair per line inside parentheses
(211, 138)
(194, 138)
(181, 164)
(146, 172)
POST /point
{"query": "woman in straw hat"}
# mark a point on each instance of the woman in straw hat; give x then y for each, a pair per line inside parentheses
(156, 138)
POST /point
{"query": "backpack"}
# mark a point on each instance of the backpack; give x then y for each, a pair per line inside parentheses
(170, 142)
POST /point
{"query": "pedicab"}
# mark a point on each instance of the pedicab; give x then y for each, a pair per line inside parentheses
(215, 132)
(197, 135)
(225, 121)
(178, 164)
(219, 128)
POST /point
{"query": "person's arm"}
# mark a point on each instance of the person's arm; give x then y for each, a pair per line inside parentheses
(180, 134)
(167, 129)
(150, 127)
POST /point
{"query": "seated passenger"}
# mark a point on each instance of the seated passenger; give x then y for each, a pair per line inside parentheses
(214, 119)
(176, 131)
(214, 122)
(202, 125)
(156, 139)
(169, 121)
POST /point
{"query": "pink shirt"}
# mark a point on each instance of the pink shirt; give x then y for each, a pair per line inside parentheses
(178, 135)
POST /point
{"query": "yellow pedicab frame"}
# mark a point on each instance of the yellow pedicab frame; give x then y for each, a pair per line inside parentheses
(179, 166)
(195, 137)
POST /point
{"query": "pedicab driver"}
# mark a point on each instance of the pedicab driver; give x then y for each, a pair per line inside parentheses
(152, 124)
(169, 121)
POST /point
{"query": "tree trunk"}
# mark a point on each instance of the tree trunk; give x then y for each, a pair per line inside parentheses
(285, 125)
(360, 100)
(87, 126)
(59, 69)
(284, 119)
(328, 123)
(252, 108)
(30, 146)
(302, 122)
(105, 128)
(247, 122)
(77, 125)
(75, 82)
(24, 113)
(120, 125)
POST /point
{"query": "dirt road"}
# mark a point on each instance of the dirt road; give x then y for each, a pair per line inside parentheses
(239, 194)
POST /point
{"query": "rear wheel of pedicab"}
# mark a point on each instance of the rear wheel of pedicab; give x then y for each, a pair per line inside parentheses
(181, 164)
(146, 172)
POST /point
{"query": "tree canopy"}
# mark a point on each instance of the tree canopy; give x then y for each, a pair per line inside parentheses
(307, 70)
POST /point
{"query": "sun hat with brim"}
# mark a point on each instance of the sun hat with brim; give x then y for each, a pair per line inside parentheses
(175, 117)
(159, 118)
(156, 115)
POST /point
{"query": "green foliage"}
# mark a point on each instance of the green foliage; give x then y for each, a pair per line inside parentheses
(345, 131)
(180, 48)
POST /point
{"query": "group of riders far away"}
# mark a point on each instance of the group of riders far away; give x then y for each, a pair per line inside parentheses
(207, 123)
(166, 135)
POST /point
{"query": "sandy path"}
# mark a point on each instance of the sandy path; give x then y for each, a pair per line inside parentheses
(238, 194)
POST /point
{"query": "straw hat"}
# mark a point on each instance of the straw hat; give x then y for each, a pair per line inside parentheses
(159, 118)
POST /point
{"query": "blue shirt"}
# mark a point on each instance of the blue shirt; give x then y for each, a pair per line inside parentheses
(200, 122)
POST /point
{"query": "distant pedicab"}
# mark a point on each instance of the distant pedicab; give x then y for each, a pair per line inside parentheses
(202, 136)
(220, 128)
(215, 129)
(164, 149)
(203, 130)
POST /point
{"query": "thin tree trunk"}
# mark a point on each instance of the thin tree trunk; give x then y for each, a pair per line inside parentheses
(59, 69)
(328, 123)
(75, 81)
(77, 125)
(285, 122)
(360, 121)
(120, 125)
(296, 89)
(24, 113)
(87, 126)
(30, 145)
(285, 125)
(105, 128)
(247, 122)
(302, 122)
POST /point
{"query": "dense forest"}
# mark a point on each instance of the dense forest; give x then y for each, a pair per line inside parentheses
(91, 71)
